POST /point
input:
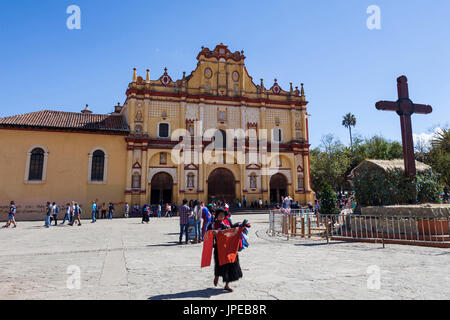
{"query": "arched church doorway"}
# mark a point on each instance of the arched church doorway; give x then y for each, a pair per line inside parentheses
(162, 188)
(278, 187)
(221, 185)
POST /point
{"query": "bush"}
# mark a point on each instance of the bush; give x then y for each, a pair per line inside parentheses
(376, 187)
(428, 187)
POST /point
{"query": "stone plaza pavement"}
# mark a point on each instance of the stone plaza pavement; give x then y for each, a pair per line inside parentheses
(123, 259)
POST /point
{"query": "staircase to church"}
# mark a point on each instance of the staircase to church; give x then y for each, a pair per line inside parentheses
(236, 210)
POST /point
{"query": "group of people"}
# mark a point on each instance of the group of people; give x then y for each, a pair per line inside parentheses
(105, 212)
(253, 204)
(160, 210)
(73, 212)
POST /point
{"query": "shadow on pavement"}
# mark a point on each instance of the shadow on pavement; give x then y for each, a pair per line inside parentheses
(169, 244)
(205, 293)
(319, 244)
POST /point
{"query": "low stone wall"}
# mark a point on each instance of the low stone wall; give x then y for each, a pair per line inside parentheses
(425, 210)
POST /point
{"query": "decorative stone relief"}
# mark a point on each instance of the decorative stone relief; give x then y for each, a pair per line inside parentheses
(252, 115)
(192, 112)
(171, 171)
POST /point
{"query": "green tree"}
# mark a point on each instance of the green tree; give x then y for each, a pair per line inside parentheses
(349, 121)
(329, 164)
(332, 162)
(328, 201)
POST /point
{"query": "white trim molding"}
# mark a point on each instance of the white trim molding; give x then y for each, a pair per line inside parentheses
(169, 132)
(171, 171)
(281, 135)
(44, 169)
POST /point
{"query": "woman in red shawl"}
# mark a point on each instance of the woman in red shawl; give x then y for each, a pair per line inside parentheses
(231, 271)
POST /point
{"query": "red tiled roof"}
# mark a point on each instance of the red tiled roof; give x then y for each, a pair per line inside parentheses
(67, 120)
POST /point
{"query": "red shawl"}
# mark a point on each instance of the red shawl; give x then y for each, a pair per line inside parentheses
(227, 246)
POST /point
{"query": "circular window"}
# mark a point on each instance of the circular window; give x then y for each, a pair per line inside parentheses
(208, 73)
(235, 76)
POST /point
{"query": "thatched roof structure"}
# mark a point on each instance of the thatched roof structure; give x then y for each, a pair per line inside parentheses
(388, 165)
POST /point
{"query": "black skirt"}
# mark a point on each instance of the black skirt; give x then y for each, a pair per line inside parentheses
(229, 272)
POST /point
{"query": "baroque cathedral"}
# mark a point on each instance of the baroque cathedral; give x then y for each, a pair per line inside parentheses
(214, 134)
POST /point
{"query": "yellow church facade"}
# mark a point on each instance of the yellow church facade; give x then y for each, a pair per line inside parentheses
(212, 135)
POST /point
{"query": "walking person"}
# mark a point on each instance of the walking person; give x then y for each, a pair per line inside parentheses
(52, 212)
(127, 210)
(104, 210)
(159, 210)
(76, 215)
(185, 212)
(55, 213)
(67, 214)
(12, 215)
(168, 210)
(229, 272)
(48, 212)
(94, 212)
(197, 221)
(111, 210)
(72, 212)
(146, 214)
(207, 219)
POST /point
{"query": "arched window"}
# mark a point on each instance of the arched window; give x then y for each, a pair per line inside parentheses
(36, 165)
(277, 135)
(220, 139)
(98, 166)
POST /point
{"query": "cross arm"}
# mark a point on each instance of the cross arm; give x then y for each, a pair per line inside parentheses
(422, 108)
(387, 105)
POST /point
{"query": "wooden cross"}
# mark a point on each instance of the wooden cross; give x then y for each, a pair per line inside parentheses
(405, 108)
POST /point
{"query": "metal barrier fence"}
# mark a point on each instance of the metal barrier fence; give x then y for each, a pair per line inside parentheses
(346, 226)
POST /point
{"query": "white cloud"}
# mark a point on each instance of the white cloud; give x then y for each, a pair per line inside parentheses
(426, 138)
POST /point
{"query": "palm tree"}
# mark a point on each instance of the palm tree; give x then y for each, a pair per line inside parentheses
(442, 140)
(349, 121)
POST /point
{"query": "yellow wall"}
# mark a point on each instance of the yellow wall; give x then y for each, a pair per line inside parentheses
(67, 171)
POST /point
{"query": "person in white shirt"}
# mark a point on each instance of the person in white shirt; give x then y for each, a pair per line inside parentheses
(127, 210)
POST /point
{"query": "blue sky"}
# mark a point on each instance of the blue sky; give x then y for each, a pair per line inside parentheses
(325, 44)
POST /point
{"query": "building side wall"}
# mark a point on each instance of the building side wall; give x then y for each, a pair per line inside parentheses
(67, 176)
